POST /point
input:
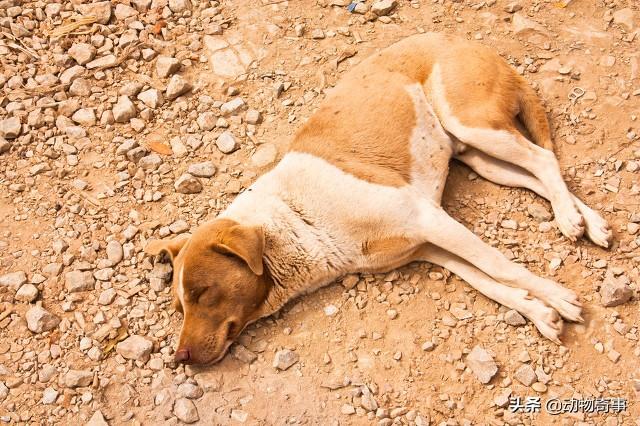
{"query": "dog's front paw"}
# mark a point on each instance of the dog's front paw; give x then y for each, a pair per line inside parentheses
(570, 222)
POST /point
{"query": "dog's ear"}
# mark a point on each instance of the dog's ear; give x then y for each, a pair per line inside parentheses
(171, 247)
(245, 242)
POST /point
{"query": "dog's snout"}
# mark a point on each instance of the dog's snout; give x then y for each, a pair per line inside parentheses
(182, 355)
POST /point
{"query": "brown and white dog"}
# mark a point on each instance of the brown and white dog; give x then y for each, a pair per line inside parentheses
(360, 188)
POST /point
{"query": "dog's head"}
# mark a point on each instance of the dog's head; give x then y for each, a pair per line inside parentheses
(219, 286)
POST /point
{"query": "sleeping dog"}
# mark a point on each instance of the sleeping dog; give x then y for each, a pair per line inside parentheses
(360, 188)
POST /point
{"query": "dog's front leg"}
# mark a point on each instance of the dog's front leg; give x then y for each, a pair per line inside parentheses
(545, 318)
(443, 231)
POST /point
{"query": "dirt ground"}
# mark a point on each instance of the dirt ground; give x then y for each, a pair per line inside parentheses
(87, 177)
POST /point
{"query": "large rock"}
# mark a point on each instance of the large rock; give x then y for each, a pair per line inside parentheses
(624, 17)
(84, 116)
(136, 348)
(482, 364)
(100, 9)
(83, 53)
(226, 143)
(206, 169)
(166, 66)
(124, 110)
(13, 280)
(78, 378)
(179, 6)
(27, 293)
(152, 98)
(615, 291)
(525, 375)
(10, 128)
(76, 281)
(177, 86)
(187, 184)
(40, 320)
(232, 106)
(114, 252)
(185, 410)
(383, 7)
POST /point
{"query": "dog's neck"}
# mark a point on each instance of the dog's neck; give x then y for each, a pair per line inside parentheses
(300, 255)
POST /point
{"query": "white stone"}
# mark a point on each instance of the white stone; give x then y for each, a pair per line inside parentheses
(185, 410)
(177, 86)
(27, 293)
(106, 61)
(107, 297)
(264, 155)
(284, 359)
(84, 116)
(188, 184)
(166, 66)
(78, 378)
(178, 6)
(206, 121)
(525, 375)
(10, 128)
(232, 106)
(615, 291)
(205, 169)
(76, 281)
(114, 252)
(135, 347)
(253, 116)
(13, 280)
(124, 11)
(82, 53)
(383, 7)
(150, 162)
(482, 364)
(226, 143)
(124, 110)
(97, 420)
(49, 396)
(152, 98)
(101, 10)
(40, 320)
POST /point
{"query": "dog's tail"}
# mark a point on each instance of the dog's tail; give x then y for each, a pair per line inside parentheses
(534, 117)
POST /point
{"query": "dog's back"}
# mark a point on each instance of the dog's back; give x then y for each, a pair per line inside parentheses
(370, 115)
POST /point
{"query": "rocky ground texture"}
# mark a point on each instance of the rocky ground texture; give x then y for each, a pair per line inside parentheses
(136, 119)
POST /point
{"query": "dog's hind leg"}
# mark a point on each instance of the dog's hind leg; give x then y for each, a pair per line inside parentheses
(440, 229)
(489, 126)
(545, 318)
(503, 173)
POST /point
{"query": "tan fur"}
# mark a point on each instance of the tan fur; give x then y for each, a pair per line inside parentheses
(221, 294)
(360, 190)
(372, 142)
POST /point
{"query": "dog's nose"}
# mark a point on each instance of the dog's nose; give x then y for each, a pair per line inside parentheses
(182, 355)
